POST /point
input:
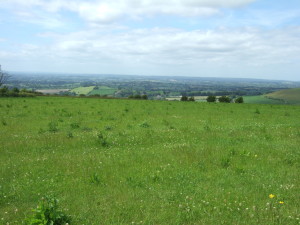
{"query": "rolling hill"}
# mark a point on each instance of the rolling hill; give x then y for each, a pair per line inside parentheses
(290, 96)
(119, 161)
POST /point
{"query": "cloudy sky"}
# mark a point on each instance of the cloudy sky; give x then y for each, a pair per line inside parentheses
(207, 38)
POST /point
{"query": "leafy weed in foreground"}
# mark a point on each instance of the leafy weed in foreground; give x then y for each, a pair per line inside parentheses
(48, 213)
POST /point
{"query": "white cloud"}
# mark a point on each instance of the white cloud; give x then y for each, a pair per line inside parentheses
(41, 18)
(219, 52)
(107, 11)
(221, 47)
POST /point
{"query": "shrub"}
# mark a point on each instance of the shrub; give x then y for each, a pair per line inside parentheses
(225, 99)
(239, 100)
(184, 98)
(48, 213)
(4, 91)
(211, 98)
(191, 99)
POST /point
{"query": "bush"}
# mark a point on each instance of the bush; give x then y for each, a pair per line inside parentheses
(211, 98)
(239, 100)
(184, 98)
(225, 99)
(4, 91)
(48, 213)
(15, 92)
(137, 96)
(191, 99)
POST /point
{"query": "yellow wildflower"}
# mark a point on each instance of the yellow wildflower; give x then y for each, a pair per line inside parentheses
(271, 196)
(281, 202)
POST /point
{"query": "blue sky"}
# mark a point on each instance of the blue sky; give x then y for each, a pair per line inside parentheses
(205, 38)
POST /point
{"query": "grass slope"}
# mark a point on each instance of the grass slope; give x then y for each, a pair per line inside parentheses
(291, 96)
(150, 162)
(103, 90)
(261, 99)
(83, 90)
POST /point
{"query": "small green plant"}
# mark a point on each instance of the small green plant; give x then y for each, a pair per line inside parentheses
(74, 125)
(206, 127)
(70, 134)
(41, 131)
(4, 123)
(225, 163)
(86, 129)
(108, 127)
(52, 127)
(144, 125)
(102, 140)
(95, 179)
(48, 213)
(257, 111)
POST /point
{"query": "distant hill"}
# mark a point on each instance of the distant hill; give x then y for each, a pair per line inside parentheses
(290, 96)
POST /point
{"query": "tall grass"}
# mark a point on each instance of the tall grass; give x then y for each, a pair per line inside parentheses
(150, 162)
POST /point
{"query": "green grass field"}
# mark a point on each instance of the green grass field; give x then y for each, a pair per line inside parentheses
(83, 90)
(261, 99)
(113, 161)
(103, 90)
(291, 96)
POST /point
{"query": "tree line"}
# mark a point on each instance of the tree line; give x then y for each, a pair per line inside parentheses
(213, 98)
(224, 99)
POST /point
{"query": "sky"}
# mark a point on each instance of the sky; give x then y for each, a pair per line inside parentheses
(200, 38)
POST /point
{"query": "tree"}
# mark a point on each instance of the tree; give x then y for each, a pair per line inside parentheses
(4, 91)
(3, 77)
(191, 99)
(211, 98)
(225, 99)
(184, 98)
(239, 100)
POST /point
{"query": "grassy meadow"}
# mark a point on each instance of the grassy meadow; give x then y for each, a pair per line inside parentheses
(290, 96)
(111, 161)
(83, 90)
(103, 90)
(261, 99)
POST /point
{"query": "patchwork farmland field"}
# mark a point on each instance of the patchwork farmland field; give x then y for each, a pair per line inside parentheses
(112, 161)
(261, 99)
(103, 90)
(291, 96)
(83, 90)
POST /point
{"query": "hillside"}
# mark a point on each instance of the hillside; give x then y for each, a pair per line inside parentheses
(291, 96)
(112, 161)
